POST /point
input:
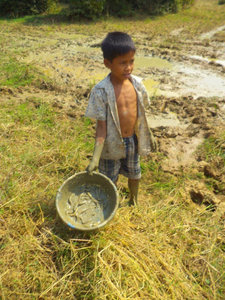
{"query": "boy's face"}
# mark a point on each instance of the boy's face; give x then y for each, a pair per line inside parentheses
(121, 66)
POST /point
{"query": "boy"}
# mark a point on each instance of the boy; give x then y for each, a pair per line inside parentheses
(117, 103)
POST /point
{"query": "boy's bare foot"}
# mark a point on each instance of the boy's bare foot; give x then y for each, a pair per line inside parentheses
(132, 202)
(133, 185)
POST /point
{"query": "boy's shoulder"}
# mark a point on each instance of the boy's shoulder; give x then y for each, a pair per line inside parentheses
(136, 79)
(106, 83)
(103, 84)
(137, 82)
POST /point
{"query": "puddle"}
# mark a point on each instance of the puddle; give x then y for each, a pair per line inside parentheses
(199, 82)
(207, 60)
(142, 62)
(151, 86)
(211, 33)
(165, 120)
(200, 58)
(193, 80)
(220, 62)
(181, 151)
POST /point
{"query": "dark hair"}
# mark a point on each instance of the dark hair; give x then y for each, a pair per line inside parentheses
(117, 43)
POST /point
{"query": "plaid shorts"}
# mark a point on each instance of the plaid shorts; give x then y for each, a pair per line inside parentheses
(129, 166)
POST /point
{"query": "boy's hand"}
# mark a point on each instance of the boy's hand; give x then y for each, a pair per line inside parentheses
(99, 144)
(91, 167)
(154, 145)
(96, 157)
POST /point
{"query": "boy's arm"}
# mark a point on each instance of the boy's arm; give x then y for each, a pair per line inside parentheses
(146, 101)
(145, 96)
(99, 143)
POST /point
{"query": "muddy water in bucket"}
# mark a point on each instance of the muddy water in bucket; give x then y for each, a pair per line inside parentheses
(87, 202)
(87, 205)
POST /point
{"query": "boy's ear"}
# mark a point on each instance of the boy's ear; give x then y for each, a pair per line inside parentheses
(107, 63)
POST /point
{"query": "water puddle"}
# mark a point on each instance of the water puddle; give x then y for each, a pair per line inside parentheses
(165, 120)
(220, 62)
(207, 60)
(211, 33)
(199, 82)
(151, 86)
(142, 62)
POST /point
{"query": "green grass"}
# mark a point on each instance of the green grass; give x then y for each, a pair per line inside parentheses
(203, 16)
(212, 151)
(17, 74)
(212, 148)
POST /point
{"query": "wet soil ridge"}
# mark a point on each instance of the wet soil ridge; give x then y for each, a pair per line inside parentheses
(181, 125)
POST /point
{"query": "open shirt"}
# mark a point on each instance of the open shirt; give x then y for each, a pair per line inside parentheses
(102, 106)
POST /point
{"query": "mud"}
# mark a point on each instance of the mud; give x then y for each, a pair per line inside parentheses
(185, 80)
(87, 206)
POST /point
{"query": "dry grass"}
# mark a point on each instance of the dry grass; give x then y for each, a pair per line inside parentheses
(167, 248)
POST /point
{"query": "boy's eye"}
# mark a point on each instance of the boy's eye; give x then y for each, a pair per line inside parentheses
(126, 63)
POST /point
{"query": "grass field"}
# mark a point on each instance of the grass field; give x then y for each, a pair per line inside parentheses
(168, 247)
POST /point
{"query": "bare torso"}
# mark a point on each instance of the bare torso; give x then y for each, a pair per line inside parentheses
(126, 99)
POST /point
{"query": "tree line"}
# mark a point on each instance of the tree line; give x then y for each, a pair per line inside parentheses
(92, 9)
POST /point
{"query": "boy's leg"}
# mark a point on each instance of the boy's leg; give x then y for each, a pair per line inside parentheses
(110, 168)
(130, 167)
(133, 185)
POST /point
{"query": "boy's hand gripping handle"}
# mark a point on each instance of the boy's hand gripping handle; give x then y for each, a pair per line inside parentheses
(153, 142)
(96, 157)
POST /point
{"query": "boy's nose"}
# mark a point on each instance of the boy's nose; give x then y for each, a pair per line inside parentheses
(128, 66)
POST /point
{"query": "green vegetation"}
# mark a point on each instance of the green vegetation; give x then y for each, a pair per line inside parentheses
(213, 152)
(14, 73)
(92, 9)
(20, 8)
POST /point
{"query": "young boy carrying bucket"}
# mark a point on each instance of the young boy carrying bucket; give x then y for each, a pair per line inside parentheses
(118, 104)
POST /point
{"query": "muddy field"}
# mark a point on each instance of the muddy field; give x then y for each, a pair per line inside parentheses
(185, 78)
